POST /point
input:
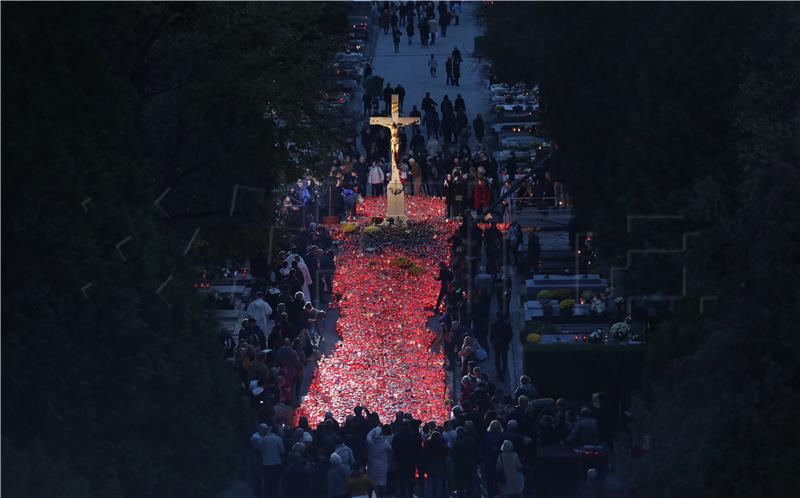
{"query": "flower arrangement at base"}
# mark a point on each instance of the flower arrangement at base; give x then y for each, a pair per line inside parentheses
(349, 227)
(596, 337)
(415, 271)
(587, 296)
(371, 230)
(533, 338)
(402, 262)
(567, 304)
(621, 330)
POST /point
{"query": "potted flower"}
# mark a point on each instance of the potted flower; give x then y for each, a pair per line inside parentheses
(621, 330)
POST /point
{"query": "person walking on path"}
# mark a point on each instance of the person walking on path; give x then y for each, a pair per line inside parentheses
(478, 128)
(385, 21)
(387, 97)
(456, 8)
(433, 65)
(396, 37)
(501, 339)
(431, 122)
(432, 28)
(456, 72)
(448, 121)
(401, 95)
(448, 67)
(367, 101)
(427, 102)
(458, 104)
(444, 21)
(423, 31)
(410, 30)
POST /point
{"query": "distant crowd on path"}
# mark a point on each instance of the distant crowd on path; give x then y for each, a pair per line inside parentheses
(429, 19)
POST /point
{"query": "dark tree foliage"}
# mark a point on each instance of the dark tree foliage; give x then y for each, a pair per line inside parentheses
(690, 109)
(111, 388)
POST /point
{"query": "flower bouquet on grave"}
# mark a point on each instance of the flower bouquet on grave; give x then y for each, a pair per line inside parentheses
(621, 330)
(598, 306)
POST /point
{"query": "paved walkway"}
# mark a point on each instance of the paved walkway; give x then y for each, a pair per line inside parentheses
(409, 67)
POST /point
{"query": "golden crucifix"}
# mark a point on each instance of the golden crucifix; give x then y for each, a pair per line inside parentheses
(395, 202)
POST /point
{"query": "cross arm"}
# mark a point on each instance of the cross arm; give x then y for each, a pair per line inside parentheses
(406, 121)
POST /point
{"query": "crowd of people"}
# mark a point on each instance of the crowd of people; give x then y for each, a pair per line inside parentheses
(487, 447)
(427, 19)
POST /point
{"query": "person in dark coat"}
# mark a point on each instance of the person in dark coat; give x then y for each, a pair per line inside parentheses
(445, 277)
(401, 95)
(456, 72)
(459, 104)
(444, 21)
(387, 97)
(478, 128)
(448, 67)
(466, 456)
(434, 460)
(296, 477)
(406, 447)
(501, 339)
(448, 122)
(606, 421)
(410, 30)
(428, 103)
(396, 37)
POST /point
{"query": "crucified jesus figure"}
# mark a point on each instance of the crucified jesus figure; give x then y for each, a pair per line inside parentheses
(395, 203)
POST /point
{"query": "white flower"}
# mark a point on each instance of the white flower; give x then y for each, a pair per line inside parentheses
(598, 306)
(620, 330)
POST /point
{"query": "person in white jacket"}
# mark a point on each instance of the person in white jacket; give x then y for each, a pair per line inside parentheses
(307, 281)
(376, 178)
(379, 450)
(261, 311)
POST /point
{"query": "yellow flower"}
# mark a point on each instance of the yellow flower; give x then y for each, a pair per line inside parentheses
(533, 337)
(349, 227)
(415, 270)
(372, 229)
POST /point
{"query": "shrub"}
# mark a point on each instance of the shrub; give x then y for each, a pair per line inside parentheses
(544, 295)
(566, 304)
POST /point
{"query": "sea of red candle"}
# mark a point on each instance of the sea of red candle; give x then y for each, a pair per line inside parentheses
(384, 360)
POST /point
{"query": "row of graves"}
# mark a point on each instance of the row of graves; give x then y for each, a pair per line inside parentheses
(576, 335)
(226, 291)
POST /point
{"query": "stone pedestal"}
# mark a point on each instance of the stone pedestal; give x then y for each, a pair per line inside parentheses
(395, 201)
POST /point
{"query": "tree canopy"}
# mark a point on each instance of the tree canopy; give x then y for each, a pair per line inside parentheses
(114, 382)
(690, 110)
